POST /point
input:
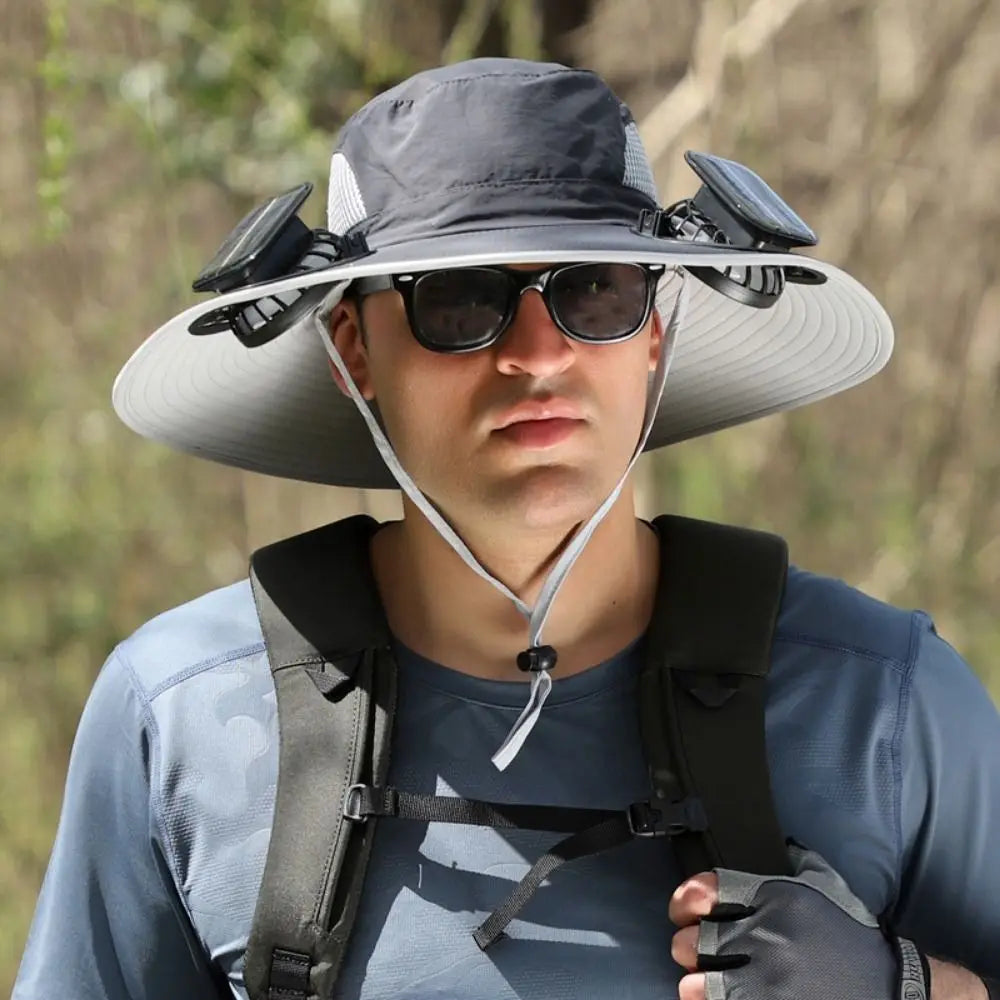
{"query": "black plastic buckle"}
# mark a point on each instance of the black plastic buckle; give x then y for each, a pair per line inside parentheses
(643, 820)
(350, 246)
(654, 222)
(686, 816)
(667, 820)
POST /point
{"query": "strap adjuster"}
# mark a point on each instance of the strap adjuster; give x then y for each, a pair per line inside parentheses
(350, 246)
(654, 222)
(363, 802)
(353, 802)
(667, 820)
(643, 820)
(686, 816)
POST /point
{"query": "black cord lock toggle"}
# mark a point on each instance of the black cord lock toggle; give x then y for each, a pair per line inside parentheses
(536, 659)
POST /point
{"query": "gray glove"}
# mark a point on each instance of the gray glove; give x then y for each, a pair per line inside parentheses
(804, 937)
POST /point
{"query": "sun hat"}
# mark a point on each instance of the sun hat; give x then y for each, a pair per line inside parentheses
(497, 162)
(504, 161)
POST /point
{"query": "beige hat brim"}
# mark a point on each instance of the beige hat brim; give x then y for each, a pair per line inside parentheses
(274, 409)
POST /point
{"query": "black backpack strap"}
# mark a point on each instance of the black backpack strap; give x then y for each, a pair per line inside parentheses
(335, 681)
(703, 691)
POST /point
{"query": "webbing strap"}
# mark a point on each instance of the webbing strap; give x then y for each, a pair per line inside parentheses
(364, 802)
(289, 975)
(591, 831)
(612, 832)
(703, 690)
(334, 678)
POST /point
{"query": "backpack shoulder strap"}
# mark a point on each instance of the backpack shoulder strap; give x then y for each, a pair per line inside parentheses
(334, 677)
(703, 691)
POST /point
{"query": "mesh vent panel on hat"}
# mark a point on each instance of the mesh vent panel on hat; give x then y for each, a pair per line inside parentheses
(638, 173)
(345, 206)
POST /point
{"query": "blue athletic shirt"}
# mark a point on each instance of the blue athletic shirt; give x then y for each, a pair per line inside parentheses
(884, 752)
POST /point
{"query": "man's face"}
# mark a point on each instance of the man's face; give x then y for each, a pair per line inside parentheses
(533, 431)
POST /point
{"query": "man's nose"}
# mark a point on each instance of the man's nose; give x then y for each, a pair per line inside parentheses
(533, 344)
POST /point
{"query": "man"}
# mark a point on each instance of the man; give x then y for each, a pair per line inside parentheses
(513, 309)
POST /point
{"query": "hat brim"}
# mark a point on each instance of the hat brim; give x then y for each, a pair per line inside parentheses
(275, 409)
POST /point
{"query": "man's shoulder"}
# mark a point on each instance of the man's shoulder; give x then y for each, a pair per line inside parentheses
(828, 614)
(217, 628)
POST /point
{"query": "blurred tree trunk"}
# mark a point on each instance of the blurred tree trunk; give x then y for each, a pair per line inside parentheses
(276, 508)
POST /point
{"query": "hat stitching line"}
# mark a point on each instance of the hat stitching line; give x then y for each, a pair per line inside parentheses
(526, 182)
(398, 102)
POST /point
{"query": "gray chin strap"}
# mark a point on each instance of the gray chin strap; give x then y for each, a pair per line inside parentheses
(541, 682)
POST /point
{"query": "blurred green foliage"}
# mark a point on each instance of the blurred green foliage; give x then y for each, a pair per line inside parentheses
(247, 94)
(55, 73)
(134, 119)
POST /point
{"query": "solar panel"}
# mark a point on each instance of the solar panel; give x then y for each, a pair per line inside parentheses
(751, 201)
(239, 258)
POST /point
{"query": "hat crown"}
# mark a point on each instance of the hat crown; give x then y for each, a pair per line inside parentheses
(485, 144)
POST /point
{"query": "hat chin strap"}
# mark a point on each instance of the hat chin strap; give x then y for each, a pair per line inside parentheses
(541, 682)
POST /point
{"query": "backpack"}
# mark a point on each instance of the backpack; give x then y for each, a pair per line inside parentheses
(701, 697)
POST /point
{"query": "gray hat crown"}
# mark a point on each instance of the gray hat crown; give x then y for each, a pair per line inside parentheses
(485, 144)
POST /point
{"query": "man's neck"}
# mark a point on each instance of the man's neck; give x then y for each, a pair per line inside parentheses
(438, 607)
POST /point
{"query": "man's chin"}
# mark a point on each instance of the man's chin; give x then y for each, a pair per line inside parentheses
(550, 497)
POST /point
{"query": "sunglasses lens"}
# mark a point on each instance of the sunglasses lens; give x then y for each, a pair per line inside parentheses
(460, 309)
(600, 301)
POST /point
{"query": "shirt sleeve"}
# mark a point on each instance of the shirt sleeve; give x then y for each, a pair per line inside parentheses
(949, 756)
(109, 923)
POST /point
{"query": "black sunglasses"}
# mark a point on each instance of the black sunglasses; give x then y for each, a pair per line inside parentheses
(460, 309)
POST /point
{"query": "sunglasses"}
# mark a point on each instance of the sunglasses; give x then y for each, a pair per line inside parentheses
(461, 309)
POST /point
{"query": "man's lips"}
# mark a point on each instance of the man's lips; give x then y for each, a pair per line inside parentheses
(535, 410)
(539, 424)
(539, 433)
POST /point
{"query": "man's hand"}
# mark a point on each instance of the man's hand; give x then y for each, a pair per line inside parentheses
(746, 937)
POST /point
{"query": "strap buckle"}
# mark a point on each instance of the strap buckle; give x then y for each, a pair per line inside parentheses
(352, 804)
(656, 223)
(667, 820)
(350, 246)
(686, 816)
(643, 820)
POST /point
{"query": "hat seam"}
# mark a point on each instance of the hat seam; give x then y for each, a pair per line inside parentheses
(370, 220)
(399, 102)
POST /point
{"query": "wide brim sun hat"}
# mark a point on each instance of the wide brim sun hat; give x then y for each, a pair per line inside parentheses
(499, 162)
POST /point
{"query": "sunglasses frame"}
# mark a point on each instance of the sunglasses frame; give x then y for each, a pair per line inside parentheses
(518, 283)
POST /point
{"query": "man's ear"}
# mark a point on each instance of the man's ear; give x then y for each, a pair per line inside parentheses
(657, 339)
(346, 333)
